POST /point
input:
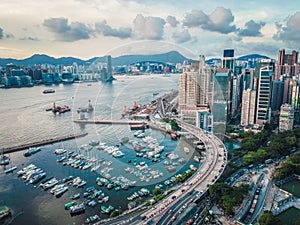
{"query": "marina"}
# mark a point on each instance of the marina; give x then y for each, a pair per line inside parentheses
(92, 162)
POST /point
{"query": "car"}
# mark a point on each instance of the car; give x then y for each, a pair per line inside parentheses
(173, 197)
(143, 217)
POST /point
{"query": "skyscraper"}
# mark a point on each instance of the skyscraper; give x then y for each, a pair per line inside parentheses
(248, 107)
(286, 118)
(287, 64)
(194, 88)
(228, 60)
(222, 95)
(265, 69)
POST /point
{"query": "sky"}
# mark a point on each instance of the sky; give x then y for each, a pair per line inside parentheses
(92, 28)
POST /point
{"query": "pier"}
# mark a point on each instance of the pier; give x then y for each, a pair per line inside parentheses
(43, 142)
(99, 121)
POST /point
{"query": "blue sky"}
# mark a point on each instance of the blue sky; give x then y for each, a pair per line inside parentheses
(89, 28)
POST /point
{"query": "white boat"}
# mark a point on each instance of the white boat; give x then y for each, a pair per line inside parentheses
(60, 151)
(94, 142)
(56, 187)
(10, 169)
(25, 169)
(95, 168)
(51, 183)
(87, 166)
(60, 191)
(186, 150)
(102, 146)
(118, 154)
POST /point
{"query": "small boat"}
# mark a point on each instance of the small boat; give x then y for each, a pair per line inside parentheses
(60, 192)
(31, 151)
(81, 184)
(10, 169)
(124, 140)
(69, 205)
(61, 159)
(68, 178)
(92, 219)
(5, 212)
(60, 151)
(95, 168)
(48, 91)
(4, 160)
(186, 150)
(77, 209)
(75, 196)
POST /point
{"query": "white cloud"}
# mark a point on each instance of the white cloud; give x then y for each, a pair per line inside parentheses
(151, 28)
(290, 33)
(181, 37)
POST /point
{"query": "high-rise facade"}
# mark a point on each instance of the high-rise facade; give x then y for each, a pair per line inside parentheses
(194, 88)
(287, 64)
(286, 118)
(265, 70)
(248, 107)
(228, 60)
(222, 96)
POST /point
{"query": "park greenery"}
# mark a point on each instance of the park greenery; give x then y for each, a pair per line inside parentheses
(267, 218)
(172, 122)
(115, 213)
(288, 167)
(228, 197)
(257, 147)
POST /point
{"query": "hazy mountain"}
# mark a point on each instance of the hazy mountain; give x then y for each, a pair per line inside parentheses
(171, 57)
(252, 56)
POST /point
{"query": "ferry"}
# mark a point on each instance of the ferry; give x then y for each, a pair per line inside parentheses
(48, 91)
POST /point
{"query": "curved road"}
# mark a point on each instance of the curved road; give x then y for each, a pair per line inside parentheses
(209, 172)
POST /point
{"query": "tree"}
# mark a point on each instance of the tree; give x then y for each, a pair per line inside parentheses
(267, 218)
(156, 191)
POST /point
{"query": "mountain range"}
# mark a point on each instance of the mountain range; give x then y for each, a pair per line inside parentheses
(169, 57)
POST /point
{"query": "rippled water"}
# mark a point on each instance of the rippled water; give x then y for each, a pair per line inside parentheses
(24, 120)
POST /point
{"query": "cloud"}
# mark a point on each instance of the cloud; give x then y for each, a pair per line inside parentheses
(67, 32)
(290, 33)
(106, 30)
(151, 28)
(1, 33)
(218, 21)
(29, 39)
(252, 29)
(195, 18)
(181, 37)
(172, 21)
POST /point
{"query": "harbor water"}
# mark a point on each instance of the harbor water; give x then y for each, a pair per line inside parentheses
(24, 119)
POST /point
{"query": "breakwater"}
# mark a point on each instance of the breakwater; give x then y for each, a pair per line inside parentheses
(43, 142)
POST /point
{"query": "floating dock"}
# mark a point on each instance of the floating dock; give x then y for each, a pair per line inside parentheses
(43, 142)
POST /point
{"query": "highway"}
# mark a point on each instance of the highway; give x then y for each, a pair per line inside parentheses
(209, 172)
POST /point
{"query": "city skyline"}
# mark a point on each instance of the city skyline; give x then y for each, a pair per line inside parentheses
(86, 29)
